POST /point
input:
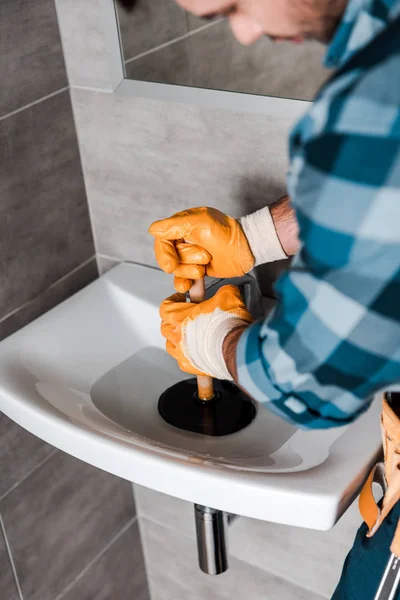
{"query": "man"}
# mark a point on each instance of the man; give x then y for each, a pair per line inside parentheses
(333, 340)
(319, 358)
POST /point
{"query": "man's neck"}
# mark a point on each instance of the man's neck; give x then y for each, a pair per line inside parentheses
(331, 21)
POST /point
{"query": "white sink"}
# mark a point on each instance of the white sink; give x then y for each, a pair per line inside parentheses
(86, 378)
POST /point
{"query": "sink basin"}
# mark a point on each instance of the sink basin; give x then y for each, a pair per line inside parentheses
(86, 378)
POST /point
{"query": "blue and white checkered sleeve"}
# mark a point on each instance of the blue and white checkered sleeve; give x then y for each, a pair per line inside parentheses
(334, 338)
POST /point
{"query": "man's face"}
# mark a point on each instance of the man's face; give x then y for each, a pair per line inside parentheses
(251, 19)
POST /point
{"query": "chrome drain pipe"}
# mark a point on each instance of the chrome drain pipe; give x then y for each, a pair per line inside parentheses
(211, 527)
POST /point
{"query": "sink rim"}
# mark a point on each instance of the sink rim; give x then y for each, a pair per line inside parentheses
(319, 501)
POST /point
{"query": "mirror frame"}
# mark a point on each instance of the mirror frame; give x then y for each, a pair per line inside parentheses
(208, 98)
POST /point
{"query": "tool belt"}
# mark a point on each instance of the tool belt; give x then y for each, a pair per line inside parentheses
(386, 474)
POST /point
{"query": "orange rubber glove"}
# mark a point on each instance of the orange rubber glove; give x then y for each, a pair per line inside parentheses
(201, 241)
(195, 333)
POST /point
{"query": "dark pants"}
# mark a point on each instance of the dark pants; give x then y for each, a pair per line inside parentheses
(367, 560)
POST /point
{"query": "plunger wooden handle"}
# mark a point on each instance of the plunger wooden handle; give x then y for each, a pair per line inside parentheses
(205, 386)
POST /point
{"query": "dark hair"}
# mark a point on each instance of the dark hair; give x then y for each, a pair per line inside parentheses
(127, 4)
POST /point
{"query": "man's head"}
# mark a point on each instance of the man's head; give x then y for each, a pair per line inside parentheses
(286, 19)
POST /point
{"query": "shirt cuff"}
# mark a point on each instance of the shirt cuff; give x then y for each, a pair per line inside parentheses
(253, 377)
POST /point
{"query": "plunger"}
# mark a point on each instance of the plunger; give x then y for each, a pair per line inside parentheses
(205, 405)
(205, 387)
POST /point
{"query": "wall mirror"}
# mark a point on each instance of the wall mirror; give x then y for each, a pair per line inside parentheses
(162, 43)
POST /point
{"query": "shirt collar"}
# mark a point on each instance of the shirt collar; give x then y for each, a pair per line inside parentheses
(362, 21)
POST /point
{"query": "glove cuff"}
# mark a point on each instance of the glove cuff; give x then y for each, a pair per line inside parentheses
(261, 235)
(203, 340)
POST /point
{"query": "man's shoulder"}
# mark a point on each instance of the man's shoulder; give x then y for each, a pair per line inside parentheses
(363, 97)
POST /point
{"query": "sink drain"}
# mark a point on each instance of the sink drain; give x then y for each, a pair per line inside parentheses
(229, 411)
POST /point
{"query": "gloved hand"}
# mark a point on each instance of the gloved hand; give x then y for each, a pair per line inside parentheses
(201, 241)
(195, 333)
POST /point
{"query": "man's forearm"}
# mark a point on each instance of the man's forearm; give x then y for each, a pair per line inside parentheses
(285, 222)
(229, 350)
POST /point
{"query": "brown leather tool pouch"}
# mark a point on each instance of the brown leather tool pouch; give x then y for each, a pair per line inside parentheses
(387, 475)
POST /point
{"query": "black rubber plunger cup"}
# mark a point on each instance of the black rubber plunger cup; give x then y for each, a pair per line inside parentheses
(203, 405)
(230, 410)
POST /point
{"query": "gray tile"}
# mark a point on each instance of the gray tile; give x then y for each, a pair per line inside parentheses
(174, 573)
(164, 509)
(56, 293)
(153, 22)
(288, 552)
(312, 559)
(7, 584)
(164, 157)
(105, 263)
(32, 63)
(119, 574)
(20, 452)
(59, 519)
(167, 65)
(84, 42)
(43, 210)
(283, 70)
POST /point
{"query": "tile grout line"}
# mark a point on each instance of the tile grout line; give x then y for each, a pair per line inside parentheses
(27, 475)
(116, 258)
(175, 40)
(8, 548)
(18, 110)
(50, 287)
(88, 88)
(128, 261)
(98, 556)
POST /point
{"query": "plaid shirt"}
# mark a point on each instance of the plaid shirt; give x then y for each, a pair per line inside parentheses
(333, 339)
